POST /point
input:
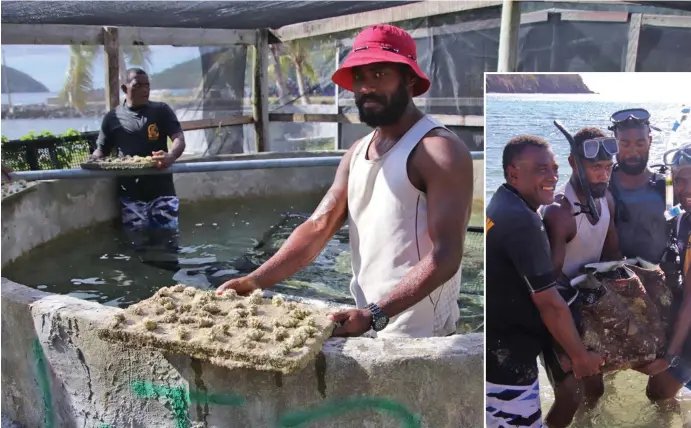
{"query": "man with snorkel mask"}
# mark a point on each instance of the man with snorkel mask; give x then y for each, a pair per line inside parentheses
(671, 372)
(639, 193)
(578, 237)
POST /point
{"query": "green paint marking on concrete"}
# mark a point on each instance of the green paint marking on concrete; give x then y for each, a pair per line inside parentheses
(177, 395)
(44, 384)
(353, 404)
(105, 426)
(181, 398)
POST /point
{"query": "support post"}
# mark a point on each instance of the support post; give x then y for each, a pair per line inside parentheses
(111, 47)
(337, 143)
(632, 45)
(260, 91)
(508, 36)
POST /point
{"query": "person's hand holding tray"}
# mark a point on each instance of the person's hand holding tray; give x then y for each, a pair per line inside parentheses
(227, 330)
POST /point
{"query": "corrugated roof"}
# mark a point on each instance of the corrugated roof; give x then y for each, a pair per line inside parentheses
(238, 15)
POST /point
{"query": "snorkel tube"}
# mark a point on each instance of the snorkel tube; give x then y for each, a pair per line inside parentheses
(582, 179)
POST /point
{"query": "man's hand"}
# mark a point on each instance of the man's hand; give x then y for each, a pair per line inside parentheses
(587, 365)
(655, 368)
(163, 159)
(243, 286)
(6, 170)
(354, 322)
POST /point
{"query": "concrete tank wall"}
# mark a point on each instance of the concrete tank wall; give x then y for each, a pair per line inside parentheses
(57, 373)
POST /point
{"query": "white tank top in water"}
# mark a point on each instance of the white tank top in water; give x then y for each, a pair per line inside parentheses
(387, 220)
(586, 247)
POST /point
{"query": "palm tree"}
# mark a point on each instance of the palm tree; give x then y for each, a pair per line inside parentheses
(79, 79)
(278, 70)
(298, 52)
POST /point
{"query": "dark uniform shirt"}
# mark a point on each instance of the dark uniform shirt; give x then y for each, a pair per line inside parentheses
(139, 132)
(518, 264)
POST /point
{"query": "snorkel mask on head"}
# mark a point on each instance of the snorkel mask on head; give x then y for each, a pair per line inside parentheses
(678, 158)
(597, 149)
(630, 116)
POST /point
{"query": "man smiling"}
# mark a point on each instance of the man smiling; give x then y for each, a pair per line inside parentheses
(406, 191)
(523, 304)
(576, 239)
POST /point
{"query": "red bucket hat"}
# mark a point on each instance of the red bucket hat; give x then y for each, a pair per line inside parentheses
(381, 43)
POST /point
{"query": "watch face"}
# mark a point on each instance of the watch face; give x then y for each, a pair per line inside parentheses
(380, 322)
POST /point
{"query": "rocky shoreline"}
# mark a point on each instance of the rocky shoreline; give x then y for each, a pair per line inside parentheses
(47, 111)
(43, 111)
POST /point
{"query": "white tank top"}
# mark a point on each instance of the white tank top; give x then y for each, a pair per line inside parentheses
(586, 247)
(387, 221)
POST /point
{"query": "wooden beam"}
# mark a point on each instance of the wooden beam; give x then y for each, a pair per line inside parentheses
(597, 16)
(42, 34)
(388, 15)
(662, 21)
(193, 125)
(112, 66)
(394, 14)
(445, 119)
(632, 44)
(60, 34)
(260, 91)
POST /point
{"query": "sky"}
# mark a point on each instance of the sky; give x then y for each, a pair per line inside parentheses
(642, 86)
(48, 63)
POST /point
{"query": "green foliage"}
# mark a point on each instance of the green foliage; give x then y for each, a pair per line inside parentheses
(67, 154)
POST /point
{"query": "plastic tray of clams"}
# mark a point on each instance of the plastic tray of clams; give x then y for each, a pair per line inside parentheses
(227, 330)
(119, 163)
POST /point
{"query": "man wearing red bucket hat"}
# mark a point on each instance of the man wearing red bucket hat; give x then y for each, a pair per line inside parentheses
(406, 190)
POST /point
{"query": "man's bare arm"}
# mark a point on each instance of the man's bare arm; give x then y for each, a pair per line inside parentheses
(178, 144)
(309, 239)
(611, 250)
(104, 143)
(682, 327)
(446, 167)
(556, 315)
(560, 226)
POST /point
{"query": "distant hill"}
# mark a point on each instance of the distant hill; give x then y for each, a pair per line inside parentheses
(536, 84)
(19, 81)
(188, 74)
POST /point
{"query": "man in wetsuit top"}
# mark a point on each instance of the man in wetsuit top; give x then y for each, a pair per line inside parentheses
(139, 127)
(524, 308)
(638, 192)
(577, 239)
(671, 372)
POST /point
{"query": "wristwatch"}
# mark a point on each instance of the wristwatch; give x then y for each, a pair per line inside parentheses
(672, 359)
(379, 319)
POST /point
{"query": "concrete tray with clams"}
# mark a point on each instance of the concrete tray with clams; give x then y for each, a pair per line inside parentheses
(227, 330)
(126, 162)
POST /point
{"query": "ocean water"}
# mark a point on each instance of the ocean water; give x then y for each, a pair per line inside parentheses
(510, 115)
(16, 128)
(506, 116)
